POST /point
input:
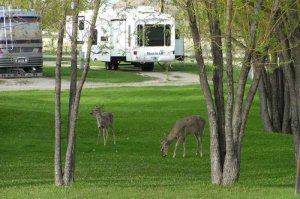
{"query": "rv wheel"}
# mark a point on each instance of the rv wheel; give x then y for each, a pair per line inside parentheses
(147, 66)
(108, 65)
(115, 65)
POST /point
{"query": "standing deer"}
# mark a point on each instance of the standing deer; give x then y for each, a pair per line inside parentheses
(189, 125)
(104, 122)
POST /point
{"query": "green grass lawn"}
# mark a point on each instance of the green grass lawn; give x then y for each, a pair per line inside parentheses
(99, 75)
(133, 168)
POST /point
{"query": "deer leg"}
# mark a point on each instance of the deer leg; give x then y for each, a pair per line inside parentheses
(175, 149)
(104, 136)
(197, 142)
(99, 133)
(200, 143)
(183, 144)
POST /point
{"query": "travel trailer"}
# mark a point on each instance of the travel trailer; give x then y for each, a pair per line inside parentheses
(20, 43)
(139, 36)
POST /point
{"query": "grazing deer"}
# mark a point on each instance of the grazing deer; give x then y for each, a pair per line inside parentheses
(189, 125)
(104, 122)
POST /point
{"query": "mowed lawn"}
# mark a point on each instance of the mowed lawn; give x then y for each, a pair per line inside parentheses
(134, 167)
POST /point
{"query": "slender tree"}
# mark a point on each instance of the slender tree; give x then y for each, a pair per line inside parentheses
(57, 158)
(68, 176)
(227, 127)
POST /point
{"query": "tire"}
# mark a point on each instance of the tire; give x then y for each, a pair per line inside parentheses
(115, 65)
(107, 65)
(147, 66)
(136, 65)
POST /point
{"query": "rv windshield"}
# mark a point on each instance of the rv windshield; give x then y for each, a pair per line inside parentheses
(154, 35)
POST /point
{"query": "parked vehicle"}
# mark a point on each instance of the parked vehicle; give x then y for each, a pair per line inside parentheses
(139, 36)
(20, 43)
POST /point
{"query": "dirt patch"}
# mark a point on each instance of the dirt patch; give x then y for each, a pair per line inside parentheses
(160, 79)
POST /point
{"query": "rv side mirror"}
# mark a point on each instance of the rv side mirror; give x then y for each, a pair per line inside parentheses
(81, 23)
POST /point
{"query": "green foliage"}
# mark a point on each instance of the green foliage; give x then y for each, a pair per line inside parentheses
(133, 168)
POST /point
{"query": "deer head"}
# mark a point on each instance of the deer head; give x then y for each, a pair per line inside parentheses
(97, 110)
(164, 146)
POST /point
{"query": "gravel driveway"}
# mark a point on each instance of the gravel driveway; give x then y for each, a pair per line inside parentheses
(160, 79)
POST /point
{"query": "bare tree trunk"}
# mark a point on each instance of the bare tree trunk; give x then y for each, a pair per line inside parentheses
(70, 154)
(75, 91)
(226, 171)
(290, 81)
(275, 95)
(250, 96)
(243, 78)
(264, 110)
(230, 169)
(286, 124)
(274, 106)
(242, 109)
(292, 72)
(217, 54)
(216, 169)
(57, 158)
(281, 84)
(294, 22)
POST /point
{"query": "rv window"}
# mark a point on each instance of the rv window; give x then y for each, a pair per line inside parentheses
(140, 30)
(16, 19)
(81, 23)
(168, 35)
(95, 37)
(154, 35)
(103, 38)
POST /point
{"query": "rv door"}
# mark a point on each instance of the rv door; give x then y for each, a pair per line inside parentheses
(118, 38)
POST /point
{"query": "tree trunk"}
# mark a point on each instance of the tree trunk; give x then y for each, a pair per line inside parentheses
(264, 110)
(217, 55)
(286, 124)
(226, 171)
(275, 95)
(294, 22)
(57, 157)
(70, 154)
(216, 169)
(292, 72)
(290, 81)
(250, 96)
(272, 98)
(230, 168)
(69, 174)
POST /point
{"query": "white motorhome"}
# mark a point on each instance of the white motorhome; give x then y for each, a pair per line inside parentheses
(140, 36)
(20, 43)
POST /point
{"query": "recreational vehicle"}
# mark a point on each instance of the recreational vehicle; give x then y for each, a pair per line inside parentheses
(20, 43)
(139, 36)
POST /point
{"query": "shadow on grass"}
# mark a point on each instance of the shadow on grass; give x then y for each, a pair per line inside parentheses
(279, 185)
